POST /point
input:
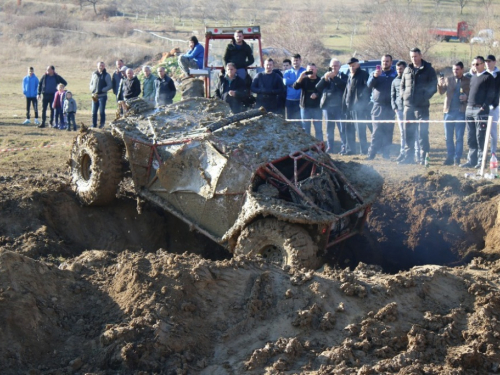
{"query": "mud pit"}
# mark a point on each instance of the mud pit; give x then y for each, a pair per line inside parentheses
(105, 290)
(108, 291)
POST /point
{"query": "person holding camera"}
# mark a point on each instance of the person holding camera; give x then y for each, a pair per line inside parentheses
(332, 86)
(456, 88)
(355, 104)
(310, 100)
(268, 85)
(380, 83)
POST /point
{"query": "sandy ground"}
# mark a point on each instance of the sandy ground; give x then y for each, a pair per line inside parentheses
(108, 291)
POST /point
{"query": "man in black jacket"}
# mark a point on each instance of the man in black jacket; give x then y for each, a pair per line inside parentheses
(239, 53)
(268, 85)
(48, 87)
(379, 84)
(100, 84)
(481, 96)
(332, 87)
(117, 77)
(130, 87)
(309, 101)
(164, 88)
(418, 85)
(231, 89)
(355, 105)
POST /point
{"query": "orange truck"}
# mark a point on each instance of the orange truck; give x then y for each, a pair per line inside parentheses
(461, 33)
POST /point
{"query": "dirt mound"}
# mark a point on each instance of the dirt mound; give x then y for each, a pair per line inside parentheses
(121, 313)
(101, 290)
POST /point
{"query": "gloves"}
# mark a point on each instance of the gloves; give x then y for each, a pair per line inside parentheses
(95, 97)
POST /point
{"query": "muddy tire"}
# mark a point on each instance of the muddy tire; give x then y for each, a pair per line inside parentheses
(96, 168)
(278, 242)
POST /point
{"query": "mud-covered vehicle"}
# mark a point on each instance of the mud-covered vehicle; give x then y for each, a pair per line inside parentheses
(252, 182)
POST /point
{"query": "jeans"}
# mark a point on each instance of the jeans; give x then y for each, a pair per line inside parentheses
(352, 128)
(71, 119)
(382, 132)
(414, 127)
(494, 128)
(186, 63)
(242, 73)
(476, 134)
(47, 101)
(454, 126)
(30, 101)
(292, 109)
(101, 106)
(59, 117)
(334, 115)
(400, 117)
(312, 113)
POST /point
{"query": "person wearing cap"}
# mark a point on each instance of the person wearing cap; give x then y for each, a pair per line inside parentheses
(100, 84)
(355, 105)
(481, 96)
(418, 85)
(379, 84)
(457, 89)
(494, 109)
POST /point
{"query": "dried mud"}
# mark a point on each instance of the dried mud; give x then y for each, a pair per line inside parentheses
(108, 291)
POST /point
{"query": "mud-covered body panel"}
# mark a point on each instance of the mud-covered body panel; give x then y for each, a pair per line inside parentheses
(216, 172)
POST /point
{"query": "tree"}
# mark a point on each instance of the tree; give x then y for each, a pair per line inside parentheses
(93, 2)
(462, 4)
(179, 8)
(303, 35)
(395, 31)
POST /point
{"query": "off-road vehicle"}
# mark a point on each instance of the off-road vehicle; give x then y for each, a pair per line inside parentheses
(252, 182)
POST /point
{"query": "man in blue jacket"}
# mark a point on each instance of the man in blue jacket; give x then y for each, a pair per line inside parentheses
(193, 59)
(380, 83)
(292, 104)
(30, 87)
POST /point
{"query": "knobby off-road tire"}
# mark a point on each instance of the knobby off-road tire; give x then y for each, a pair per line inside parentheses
(96, 168)
(279, 242)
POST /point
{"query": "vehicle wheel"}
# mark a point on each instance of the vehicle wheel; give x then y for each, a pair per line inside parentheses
(278, 242)
(96, 167)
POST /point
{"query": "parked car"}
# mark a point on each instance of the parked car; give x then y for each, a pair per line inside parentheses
(368, 65)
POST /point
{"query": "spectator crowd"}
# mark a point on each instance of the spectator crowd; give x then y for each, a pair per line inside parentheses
(352, 101)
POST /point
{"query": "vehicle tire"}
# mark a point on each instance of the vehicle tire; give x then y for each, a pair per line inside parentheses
(96, 168)
(278, 242)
